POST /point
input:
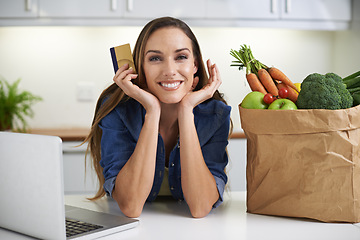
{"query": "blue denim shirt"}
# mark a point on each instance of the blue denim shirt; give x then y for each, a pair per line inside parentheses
(121, 129)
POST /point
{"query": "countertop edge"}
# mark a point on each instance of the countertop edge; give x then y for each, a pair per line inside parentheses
(79, 134)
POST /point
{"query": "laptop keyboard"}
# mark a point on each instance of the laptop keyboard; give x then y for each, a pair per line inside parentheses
(74, 227)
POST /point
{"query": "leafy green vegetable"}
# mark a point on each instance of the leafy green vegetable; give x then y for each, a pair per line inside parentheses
(246, 59)
(356, 97)
(352, 83)
(324, 92)
(354, 75)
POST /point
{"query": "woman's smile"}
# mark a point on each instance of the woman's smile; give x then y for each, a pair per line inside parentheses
(171, 85)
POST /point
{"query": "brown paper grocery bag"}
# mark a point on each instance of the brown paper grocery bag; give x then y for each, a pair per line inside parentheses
(303, 163)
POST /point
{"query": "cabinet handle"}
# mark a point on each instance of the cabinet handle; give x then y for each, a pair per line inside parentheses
(113, 5)
(28, 5)
(273, 6)
(288, 6)
(130, 5)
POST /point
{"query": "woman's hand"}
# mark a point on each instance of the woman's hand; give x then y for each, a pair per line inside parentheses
(192, 99)
(123, 78)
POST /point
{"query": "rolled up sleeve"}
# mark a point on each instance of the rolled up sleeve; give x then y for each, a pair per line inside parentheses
(216, 157)
(117, 145)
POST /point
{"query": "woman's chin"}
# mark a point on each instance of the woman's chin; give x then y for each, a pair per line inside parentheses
(171, 99)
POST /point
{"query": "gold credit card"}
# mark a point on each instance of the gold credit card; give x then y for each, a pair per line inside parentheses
(121, 55)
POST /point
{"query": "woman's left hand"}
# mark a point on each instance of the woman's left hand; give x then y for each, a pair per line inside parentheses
(192, 99)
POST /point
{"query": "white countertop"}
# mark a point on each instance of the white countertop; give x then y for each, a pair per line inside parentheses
(169, 219)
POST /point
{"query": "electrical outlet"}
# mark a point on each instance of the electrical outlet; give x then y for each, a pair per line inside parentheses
(85, 91)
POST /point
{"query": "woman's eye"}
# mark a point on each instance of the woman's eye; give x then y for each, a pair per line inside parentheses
(182, 57)
(154, 58)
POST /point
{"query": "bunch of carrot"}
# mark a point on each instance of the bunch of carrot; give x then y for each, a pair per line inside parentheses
(262, 78)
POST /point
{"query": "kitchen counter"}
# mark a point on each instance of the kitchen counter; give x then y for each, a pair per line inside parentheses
(169, 219)
(79, 134)
(66, 134)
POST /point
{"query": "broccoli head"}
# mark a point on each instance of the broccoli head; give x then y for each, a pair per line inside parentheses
(324, 92)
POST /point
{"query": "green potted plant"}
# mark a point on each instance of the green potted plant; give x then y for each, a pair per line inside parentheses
(15, 106)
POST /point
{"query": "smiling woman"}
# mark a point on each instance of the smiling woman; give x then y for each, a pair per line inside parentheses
(142, 120)
(169, 65)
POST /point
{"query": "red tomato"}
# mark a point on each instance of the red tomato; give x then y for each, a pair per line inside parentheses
(283, 93)
(268, 98)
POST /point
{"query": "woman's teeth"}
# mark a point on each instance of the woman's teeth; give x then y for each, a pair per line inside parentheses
(170, 85)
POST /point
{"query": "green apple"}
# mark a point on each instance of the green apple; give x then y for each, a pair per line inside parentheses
(283, 104)
(254, 100)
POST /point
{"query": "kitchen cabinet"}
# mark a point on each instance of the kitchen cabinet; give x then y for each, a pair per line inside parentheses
(81, 8)
(291, 14)
(122, 8)
(294, 14)
(338, 10)
(242, 9)
(180, 9)
(78, 176)
(18, 8)
(236, 168)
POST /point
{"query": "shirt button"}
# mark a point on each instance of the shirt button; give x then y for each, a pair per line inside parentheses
(172, 188)
(172, 164)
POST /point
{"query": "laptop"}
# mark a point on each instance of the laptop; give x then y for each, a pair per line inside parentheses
(32, 192)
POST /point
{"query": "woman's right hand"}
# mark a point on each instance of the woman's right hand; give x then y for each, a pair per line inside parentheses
(123, 78)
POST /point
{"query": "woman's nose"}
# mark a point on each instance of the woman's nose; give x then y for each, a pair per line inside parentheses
(169, 68)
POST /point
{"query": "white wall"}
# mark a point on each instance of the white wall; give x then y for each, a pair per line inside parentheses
(346, 52)
(52, 60)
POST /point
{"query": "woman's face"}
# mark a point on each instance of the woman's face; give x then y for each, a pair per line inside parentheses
(169, 65)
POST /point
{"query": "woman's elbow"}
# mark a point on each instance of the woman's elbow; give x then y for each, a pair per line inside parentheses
(131, 211)
(129, 208)
(200, 211)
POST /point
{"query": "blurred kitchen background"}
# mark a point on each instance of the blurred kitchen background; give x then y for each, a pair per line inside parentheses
(60, 50)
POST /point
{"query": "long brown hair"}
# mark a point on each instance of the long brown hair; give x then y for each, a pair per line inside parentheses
(115, 95)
